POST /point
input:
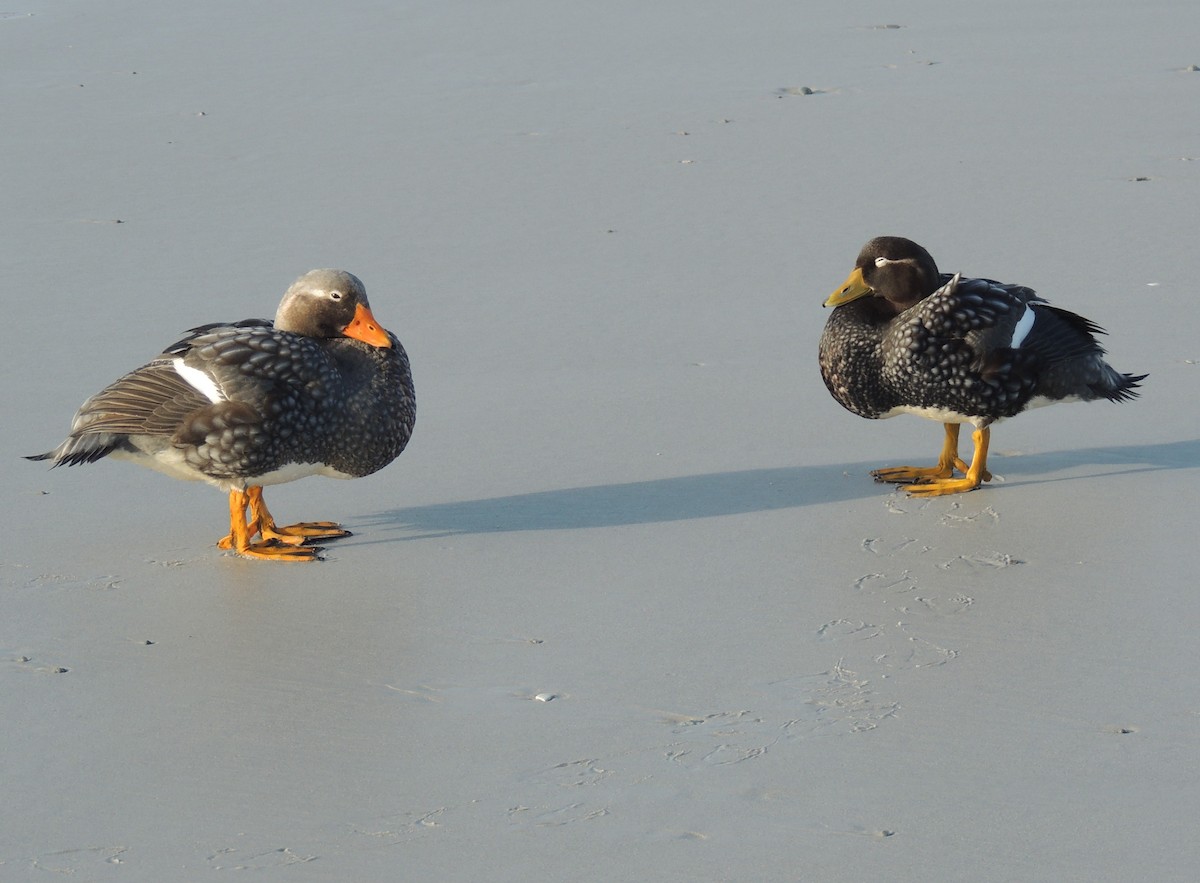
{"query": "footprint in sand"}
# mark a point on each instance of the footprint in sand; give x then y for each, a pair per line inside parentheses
(721, 755)
(847, 629)
(885, 584)
(67, 862)
(250, 859)
(920, 606)
(880, 546)
(916, 653)
(833, 702)
(957, 516)
(981, 561)
(405, 826)
(720, 738)
(541, 817)
(574, 773)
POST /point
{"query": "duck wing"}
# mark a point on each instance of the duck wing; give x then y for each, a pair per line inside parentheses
(152, 401)
(960, 348)
(164, 398)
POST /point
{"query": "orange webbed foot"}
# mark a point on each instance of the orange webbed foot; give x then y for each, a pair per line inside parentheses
(295, 534)
(276, 545)
(912, 474)
(292, 534)
(975, 474)
(272, 551)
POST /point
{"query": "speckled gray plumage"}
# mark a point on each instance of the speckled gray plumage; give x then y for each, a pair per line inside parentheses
(290, 403)
(912, 348)
(294, 399)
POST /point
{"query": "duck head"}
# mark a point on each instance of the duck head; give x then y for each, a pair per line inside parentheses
(330, 303)
(894, 269)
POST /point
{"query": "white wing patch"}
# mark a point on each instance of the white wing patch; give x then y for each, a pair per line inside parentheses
(199, 381)
(1023, 327)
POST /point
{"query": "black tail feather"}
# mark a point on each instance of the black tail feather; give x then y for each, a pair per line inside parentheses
(1124, 389)
(73, 452)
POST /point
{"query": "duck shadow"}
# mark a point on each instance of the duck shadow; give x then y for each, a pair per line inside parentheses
(1133, 459)
(640, 502)
(731, 493)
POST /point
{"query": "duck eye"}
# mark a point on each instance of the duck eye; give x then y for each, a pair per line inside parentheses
(335, 295)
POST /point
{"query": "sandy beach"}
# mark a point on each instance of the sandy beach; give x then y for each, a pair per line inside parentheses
(630, 606)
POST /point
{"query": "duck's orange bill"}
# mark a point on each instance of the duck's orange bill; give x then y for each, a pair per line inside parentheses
(364, 327)
(852, 289)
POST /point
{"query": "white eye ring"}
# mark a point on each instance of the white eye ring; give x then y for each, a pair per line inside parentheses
(335, 295)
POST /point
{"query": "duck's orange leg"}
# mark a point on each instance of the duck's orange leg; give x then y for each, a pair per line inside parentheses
(292, 534)
(242, 530)
(947, 462)
(976, 473)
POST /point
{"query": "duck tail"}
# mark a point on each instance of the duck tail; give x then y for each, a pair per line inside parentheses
(1117, 387)
(78, 449)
